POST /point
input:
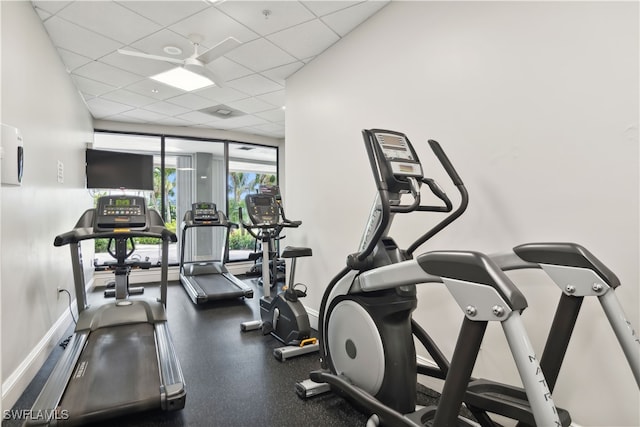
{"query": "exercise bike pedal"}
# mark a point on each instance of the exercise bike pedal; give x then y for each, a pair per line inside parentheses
(267, 328)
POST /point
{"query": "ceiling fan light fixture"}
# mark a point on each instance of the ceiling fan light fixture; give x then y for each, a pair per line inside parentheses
(182, 78)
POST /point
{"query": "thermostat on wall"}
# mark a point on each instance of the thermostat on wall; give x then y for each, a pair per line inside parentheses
(11, 155)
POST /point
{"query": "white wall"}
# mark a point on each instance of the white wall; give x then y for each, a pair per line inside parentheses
(536, 104)
(38, 98)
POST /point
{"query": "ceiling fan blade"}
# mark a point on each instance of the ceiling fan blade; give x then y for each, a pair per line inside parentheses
(218, 50)
(147, 56)
(200, 69)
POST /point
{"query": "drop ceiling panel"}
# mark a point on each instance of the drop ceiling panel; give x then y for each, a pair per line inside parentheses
(221, 95)
(254, 84)
(343, 21)
(91, 87)
(154, 89)
(191, 101)
(250, 105)
(305, 40)
(155, 43)
(165, 12)
(52, 7)
(282, 14)
(274, 98)
(260, 55)
(279, 74)
(109, 19)
(324, 7)
(198, 117)
(129, 98)
(107, 74)
(101, 108)
(228, 69)
(275, 115)
(166, 108)
(214, 26)
(79, 40)
(276, 44)
(72, 60)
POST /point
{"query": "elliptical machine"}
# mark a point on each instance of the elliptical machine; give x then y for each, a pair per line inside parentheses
(282, 314)
(366, 332)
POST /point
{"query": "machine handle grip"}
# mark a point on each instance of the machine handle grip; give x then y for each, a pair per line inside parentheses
(444, 160)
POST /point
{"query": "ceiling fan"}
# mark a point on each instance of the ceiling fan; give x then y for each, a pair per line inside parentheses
(197, 62)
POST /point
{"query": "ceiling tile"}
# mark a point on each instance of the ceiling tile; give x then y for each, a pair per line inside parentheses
(154, 89)
(72, 60)
(129, 98)
(236, 122)
(305, 40)
(254, 84)
(79, 40)
(324, 7)
(279, 74)
(227, 69)
(250, 105)
(172, 121)
(91, 87)
(260, 55)
(109, 19)
(156, 42)
(140, 66)
(343, 21)
(143, 115)
(165, 12)
(101, 108)
(52, 7)
(221, 94)
(191, 101)
(198, 117)
(276, 98)
(123, 118)
(282, 14)
(275, 115)
(166, 108)
(270, 127)
(107, 74)
(214, 26)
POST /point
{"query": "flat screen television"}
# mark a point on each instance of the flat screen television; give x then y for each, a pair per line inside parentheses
(113, 170)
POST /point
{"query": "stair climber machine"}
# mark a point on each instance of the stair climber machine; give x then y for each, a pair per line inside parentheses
(121, 357)
(282, 313)
(209, 280)
(366, 332)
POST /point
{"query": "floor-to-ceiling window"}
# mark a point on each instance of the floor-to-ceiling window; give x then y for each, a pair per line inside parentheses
(249, 167)
(190, 170)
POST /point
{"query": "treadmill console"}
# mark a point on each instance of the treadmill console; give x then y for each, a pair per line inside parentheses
(262, 208)
(204, 212)
(121, 212)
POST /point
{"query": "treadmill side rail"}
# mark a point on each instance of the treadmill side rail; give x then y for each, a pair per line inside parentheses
(51, 394)
(173, 393)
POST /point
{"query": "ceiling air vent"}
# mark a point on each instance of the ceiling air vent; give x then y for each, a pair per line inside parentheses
(222, 111)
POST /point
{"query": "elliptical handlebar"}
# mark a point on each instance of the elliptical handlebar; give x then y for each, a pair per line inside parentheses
(397, 170)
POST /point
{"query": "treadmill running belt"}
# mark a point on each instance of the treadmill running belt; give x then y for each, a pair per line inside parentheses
(117, 373)
(216, 286)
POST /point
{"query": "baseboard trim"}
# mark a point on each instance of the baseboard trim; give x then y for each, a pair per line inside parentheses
(17, 382)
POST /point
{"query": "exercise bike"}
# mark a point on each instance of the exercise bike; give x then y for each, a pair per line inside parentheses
(282, 314)
(366, 332)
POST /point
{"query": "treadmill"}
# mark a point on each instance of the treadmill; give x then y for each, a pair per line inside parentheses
(209, 280)
(121, 358)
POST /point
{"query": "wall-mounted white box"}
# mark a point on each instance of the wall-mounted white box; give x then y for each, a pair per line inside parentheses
(11, 155)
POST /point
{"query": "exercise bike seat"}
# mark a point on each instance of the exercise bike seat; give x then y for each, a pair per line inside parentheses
(295, 252)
